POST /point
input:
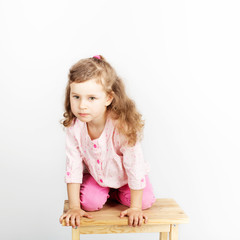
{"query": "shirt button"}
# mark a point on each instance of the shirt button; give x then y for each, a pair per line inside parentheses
(95, 145)
(101, 180)
(98, 161)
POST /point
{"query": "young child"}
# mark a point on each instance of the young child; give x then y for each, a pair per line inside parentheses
(103, 148)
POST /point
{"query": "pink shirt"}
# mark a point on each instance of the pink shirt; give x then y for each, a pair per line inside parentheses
(106, 159)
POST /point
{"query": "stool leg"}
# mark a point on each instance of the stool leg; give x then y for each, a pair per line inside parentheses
(75, 234)
(173, 234)
(163, 235)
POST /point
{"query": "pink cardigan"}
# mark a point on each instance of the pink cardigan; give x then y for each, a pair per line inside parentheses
(106, 159)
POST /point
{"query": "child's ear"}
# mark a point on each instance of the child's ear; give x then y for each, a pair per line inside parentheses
(109, 99)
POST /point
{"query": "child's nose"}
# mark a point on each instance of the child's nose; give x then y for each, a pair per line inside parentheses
(82, 104)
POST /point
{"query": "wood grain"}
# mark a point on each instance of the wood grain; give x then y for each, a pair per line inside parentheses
(163, 211)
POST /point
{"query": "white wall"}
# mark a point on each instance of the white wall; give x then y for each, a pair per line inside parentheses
(180, 62)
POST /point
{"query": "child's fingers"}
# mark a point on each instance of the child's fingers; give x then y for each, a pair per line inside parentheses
(122, 214)
(78, 221)
(130, 220)
(67, 219)
(73, 221)
(135, 221)
(140, 221)
(62, 217)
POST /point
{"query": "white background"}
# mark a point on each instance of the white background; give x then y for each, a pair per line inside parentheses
(180, 63)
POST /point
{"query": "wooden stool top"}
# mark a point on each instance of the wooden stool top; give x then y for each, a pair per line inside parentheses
(163, 211)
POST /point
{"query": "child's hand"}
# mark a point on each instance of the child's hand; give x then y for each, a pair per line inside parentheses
(73, 215)
(135, 216)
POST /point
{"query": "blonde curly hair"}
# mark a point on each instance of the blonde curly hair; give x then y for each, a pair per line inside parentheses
(129, 121)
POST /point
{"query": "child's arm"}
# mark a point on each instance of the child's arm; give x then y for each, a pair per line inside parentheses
(73, 178)
(135, 213)
(73, 190)
(75, 212)
(134, 164)
(136, 198)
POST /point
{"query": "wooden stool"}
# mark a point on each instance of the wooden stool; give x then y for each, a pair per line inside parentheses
(163, 217)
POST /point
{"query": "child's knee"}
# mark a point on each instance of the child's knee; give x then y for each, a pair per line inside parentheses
(89, 203)
(147, 201)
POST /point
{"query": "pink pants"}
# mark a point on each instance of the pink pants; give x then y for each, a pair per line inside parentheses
(93, 196)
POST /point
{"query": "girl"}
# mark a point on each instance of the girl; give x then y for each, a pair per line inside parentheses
(104, 155)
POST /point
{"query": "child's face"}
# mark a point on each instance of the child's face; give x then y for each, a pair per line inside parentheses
(89, 97)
